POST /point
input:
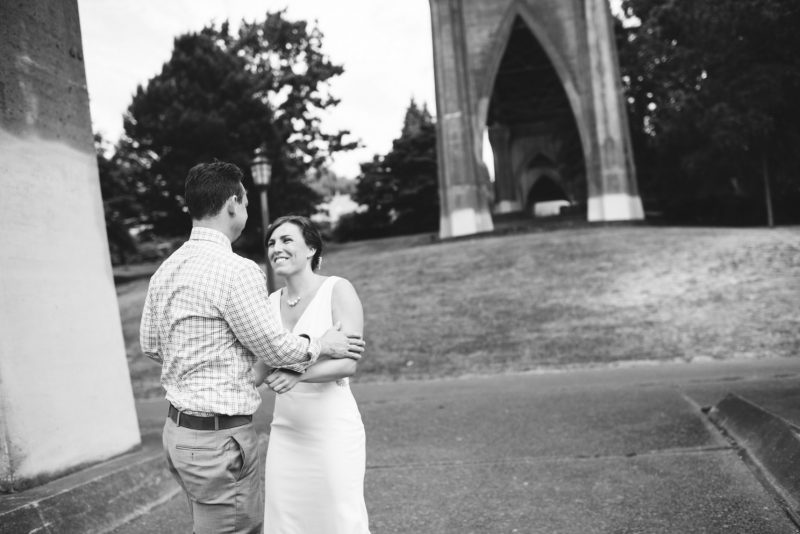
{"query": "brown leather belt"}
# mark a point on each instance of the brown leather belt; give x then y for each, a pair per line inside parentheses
(214, 422)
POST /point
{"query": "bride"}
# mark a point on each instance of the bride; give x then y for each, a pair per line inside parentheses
(316, 454)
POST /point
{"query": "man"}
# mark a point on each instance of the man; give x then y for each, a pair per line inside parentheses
(206, 320)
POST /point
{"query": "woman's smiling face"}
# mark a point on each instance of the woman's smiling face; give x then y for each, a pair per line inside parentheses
(287, 250)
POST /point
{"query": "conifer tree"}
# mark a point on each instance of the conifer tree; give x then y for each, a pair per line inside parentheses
(400, 189)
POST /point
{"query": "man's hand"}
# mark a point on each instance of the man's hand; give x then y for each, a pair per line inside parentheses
(336, 344)
(260, 372)
(282, 380)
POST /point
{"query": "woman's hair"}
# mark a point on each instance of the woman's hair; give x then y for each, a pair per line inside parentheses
(309, 231)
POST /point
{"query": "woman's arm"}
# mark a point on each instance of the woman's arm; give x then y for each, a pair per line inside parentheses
(347, 310)
(326, 370)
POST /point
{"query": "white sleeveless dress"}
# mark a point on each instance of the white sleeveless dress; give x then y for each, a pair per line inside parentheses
(316, 453)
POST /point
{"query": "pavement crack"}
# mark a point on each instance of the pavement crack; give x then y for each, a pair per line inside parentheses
(142, 510)
(548, 458)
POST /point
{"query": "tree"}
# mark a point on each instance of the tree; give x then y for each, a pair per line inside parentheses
(711, 90)
(221, 96)
(400, 189)
(120, 206)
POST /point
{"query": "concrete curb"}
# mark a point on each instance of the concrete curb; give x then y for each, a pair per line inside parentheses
(772, 443)
(94, 500)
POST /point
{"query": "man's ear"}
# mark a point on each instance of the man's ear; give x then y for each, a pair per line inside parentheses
(230, 207)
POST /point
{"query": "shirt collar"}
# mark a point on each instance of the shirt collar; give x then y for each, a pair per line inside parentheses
(201, 233)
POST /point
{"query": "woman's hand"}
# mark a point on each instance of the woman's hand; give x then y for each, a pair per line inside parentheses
(282, 380)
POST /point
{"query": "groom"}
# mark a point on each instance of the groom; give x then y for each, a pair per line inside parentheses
(207, 321)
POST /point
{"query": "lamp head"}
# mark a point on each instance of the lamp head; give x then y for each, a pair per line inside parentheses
(261, 168)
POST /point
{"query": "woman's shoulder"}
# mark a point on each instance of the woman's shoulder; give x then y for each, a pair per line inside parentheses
(332, 279)
(346, 305)
(336, 281)
(342, 287)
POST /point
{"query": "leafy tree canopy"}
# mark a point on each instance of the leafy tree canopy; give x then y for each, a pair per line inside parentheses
(120, 204)
(712, 91)
(222, 96)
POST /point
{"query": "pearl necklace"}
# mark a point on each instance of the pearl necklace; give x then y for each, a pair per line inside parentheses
(292, 302)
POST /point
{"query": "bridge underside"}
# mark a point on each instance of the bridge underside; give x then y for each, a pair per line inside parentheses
(540, 77)
(532, 130)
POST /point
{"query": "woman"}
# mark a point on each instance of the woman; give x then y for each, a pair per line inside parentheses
(316, 454)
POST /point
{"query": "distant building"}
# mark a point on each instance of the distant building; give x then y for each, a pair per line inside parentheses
(337, 206)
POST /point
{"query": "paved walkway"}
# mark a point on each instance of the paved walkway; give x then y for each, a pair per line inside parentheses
(609, 450)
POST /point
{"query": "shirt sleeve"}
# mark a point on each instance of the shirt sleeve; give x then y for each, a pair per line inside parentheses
(148, 332)
(256, 326)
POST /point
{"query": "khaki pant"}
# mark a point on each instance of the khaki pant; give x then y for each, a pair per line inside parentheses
(220, 471)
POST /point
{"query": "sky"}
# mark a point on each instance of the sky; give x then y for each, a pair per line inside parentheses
(384, 45)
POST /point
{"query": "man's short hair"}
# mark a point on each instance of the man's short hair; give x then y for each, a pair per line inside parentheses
(209, 185)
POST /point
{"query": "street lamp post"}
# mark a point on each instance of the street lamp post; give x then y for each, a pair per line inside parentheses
(261, 170)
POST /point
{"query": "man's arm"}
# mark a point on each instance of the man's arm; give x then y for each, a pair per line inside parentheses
(148, 331)
(256, 326)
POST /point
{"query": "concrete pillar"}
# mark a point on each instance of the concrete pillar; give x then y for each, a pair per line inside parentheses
(616, 195)
(65, 393)
(505, 183)
(462, 182)
(469, 39)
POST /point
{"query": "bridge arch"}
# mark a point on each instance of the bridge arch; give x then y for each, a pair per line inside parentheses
(519, 11)
(471, 41)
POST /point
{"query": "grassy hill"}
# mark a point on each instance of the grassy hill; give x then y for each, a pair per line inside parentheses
(560, 298)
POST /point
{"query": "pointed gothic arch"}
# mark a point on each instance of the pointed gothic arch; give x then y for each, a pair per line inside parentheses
(469, 47)
(518, 10)
(531, 114)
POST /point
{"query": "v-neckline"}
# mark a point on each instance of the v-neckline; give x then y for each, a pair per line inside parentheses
(303, 314)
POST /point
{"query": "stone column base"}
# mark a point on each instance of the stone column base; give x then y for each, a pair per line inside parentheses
(615, 207)
(508, 206)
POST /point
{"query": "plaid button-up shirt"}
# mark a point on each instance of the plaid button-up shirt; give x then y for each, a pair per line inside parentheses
(206, 319)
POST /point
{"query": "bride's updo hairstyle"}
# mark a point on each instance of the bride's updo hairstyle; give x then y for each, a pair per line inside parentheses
(309, 231)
